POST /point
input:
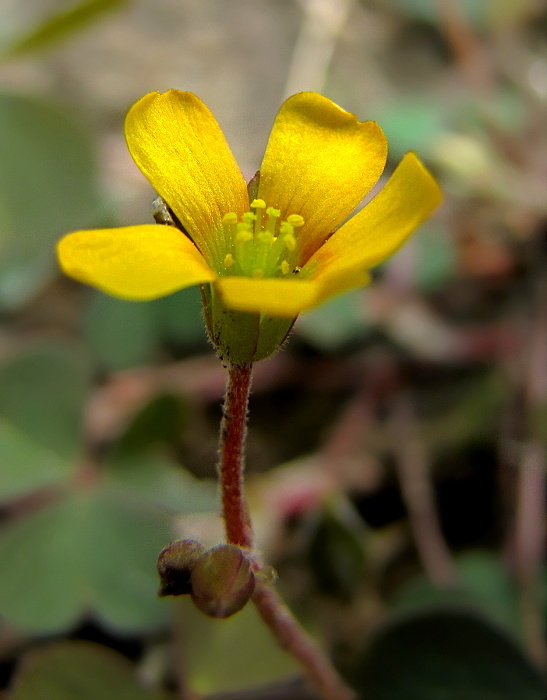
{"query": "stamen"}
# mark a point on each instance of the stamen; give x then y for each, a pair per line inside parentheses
(295, 220)
(286, 232)
(243, 234)
(259, 244)
(273, 216)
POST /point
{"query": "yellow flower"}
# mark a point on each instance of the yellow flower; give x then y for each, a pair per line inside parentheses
(262, 254)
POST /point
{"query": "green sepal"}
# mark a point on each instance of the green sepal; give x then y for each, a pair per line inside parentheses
(241, 338)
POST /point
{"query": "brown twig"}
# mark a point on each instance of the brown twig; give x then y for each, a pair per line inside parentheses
(412, 467)
(529, 532)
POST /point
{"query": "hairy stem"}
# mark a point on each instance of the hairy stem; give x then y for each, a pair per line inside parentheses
(233, 431)
(290, 635)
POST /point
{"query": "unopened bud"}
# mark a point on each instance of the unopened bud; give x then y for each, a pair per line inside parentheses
(222, 581)
(175, 564)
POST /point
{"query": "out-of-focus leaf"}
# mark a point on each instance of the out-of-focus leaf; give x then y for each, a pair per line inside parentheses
(435, 257)
(410, 124)
(120, 333)
(446, 653)
(472, 418)
(159, 422)
(480, 15)
(60, 25)
(123, 334)
(44, 587)
(42, 392)
(93, 553)
(140, 463)
(538, 422)
(26, 465)
(122, 542)
(223, 655)
(484, 584)
(152, 478)
(77, 671)
(335, 323)
(180, 317)
(336, 552)
(47, 187)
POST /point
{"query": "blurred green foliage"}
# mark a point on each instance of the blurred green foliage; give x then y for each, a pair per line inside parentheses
(87, 506)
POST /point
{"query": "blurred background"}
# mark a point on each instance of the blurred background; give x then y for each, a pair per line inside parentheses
(397, 447)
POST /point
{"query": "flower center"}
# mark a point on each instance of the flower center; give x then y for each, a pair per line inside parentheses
(260, 244)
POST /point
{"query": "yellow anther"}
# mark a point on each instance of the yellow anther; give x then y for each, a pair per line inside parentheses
(290, 241)
(229, 218)
(284, 267)
(258, 274)
(258, 204)
(295, 220)
(285, 228)
(229, 260)
(243, 235)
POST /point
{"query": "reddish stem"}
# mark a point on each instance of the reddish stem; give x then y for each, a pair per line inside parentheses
(233, 431)
(290, 635)
(284, 626)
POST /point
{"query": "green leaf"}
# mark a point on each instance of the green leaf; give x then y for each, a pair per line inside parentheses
(141, 465)
(153, 479)
(336, 552)
(484, 584)
(435, 257)
(44, 588)
(180, 318)
(224, 655)
(335, 323)
(158, 422)
(472, 417)
(96, 553)
(48, 185)
(26, 465)
(121, 334)
(411, 124)
(446, 654)
(122, 541)
(42, 391)
(124, 334)
(60, 25)
(77, 671)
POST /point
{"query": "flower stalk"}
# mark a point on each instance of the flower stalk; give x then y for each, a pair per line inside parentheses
(290, 635)
(233, 431)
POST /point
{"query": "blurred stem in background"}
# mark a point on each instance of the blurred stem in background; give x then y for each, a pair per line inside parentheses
(322, 24)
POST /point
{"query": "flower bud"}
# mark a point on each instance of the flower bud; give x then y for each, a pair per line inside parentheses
(222, 581)
(175, 564)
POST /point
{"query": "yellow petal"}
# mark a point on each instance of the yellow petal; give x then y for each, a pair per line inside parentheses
(381, 227)
(179, 146)
(320, 162)
(284, 297)
(275, 297)
(137, 262)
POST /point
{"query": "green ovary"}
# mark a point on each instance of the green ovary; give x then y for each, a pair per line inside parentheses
(260, 245)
